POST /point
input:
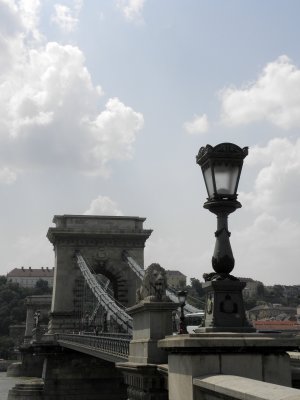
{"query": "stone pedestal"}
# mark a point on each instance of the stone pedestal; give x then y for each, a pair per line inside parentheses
(37, 334)
(225, 310)
(151, 322)
(143, 375)
(256, 356)
(145, 382)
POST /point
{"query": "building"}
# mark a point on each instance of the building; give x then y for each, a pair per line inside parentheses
(176, 279)
(28, 277)
(286, 326)
(272, 311)
(252, 288)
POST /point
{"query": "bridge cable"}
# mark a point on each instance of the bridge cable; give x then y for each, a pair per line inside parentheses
(117, 313)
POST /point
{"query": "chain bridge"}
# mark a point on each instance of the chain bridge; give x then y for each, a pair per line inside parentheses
(99, 265)
(101, 345)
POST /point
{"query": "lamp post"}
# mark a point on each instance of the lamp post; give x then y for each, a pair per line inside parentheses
(182, 298)
(221, 167)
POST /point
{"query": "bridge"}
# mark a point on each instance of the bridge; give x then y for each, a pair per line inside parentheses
(99, 265)
(95, 326)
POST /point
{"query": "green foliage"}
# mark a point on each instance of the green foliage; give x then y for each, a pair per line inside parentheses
(42, 287)
(196, 295)
(12, 302)
(6, 347)
(197, 286)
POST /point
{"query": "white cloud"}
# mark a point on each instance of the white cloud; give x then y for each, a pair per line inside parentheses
(66, 18)
(31, 250)
(114, 131)
(274, 97)
(49, 106)
(7, 175)
(199, 124)
(103, 205)
(276, 186)
(29, 14)
(268, 248)
(132, 9)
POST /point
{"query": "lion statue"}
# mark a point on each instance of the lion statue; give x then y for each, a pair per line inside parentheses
(153, 288)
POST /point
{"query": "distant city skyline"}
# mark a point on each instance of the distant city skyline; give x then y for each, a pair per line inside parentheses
(104, 106)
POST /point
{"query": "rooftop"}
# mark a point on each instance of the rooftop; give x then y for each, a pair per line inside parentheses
(31, 272)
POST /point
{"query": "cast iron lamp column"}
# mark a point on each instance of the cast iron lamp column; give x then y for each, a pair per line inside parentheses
(221, 167)
(182, 298)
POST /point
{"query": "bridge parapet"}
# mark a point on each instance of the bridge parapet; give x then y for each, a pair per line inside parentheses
(230, 387)
(111, 347)
(260, 357)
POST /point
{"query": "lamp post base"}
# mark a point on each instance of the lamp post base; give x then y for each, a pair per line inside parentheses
(225, 310)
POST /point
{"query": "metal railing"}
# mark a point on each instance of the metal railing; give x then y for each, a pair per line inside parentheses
(113, 344)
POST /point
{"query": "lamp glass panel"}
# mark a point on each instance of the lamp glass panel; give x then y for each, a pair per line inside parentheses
(209, 182)
(181, 297)
(226, 177)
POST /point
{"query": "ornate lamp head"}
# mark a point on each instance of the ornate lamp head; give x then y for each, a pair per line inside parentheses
(182, 297)
(221, 167)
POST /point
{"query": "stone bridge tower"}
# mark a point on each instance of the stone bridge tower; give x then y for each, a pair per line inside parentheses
(101, 240)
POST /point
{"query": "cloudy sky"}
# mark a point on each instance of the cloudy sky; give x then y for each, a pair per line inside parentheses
(104, 105)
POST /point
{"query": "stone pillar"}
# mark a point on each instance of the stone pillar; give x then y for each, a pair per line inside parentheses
(256, 356)
(151, 322)
(70, 375)
(31, 390)
(143, 373)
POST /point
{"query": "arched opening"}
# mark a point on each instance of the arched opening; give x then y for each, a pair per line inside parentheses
(91, 314)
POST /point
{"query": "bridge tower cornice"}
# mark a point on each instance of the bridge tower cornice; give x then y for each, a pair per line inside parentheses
(71, 237)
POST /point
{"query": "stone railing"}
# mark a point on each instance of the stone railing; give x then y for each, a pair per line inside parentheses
(114, 344)
(295, 368)
(230, 387)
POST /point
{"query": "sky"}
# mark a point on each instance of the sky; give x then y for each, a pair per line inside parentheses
(105, 104)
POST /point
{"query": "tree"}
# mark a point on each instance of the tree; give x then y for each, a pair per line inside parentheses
(195, 293)
(42, 287)
(6, 347)
(12, 302)
(197, 286)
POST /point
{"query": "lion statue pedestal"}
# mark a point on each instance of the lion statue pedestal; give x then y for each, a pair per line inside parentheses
(152, 318)
(152, 321)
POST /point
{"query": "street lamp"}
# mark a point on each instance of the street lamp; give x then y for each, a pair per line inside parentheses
(182, 299)
(221, 167)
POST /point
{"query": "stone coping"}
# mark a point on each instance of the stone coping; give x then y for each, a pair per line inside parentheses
(152, 306)
(132, 366)
(136, 365)
(239, 388)
(295, 355)
(228, 341)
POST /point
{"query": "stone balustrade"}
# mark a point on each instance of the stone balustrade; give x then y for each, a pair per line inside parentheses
(230, 387)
